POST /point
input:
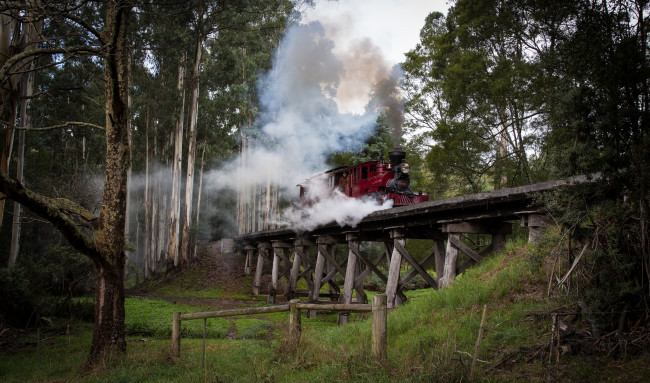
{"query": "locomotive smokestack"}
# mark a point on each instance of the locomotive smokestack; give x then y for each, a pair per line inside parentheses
(396, 156)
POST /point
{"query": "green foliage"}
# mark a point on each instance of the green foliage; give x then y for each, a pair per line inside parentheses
(502, 93)
(601, 126)
(61, 270)
(376, 147)
(471, 100)
(598, 115)
(234, 59)
(610, 273)
(17, 304)
(75, 92)
(45, 286)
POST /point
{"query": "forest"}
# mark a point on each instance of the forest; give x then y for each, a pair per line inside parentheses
(125, 124)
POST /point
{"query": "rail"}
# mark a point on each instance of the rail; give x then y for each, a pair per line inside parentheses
(378, 309)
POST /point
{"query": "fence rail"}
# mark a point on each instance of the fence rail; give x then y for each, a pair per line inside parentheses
(235, 312)
(378, 309)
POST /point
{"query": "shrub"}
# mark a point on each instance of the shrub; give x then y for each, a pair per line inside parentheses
(16, 305)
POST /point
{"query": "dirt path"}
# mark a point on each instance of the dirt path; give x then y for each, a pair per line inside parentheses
(213, 270)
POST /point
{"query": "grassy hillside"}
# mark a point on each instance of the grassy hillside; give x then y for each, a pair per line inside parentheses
(431, 338)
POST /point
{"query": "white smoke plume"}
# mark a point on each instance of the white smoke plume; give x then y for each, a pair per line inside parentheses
(299, 118)
(302, 124)
(323, 205)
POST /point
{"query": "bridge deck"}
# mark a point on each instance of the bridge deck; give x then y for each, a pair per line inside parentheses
(419, 219)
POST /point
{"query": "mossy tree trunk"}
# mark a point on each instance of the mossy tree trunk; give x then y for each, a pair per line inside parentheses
(101, 238)
(108, 334)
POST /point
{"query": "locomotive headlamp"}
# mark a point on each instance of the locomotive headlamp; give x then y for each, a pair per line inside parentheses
(405, 168)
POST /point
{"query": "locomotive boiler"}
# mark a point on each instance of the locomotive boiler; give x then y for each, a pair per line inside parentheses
(373, 179)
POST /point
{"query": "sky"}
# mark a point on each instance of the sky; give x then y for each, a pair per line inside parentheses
(391, 27)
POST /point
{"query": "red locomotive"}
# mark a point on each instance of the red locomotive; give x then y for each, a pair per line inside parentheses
(373, 179)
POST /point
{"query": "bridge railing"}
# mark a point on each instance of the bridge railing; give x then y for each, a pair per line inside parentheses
(378, 309)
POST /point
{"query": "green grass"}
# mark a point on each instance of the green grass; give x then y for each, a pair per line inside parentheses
(176, 291)
(430, 338)
(190, 284)
(152, 317)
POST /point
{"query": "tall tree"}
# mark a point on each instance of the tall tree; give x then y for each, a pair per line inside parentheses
(573, 76)
(185, 247)
(600, 126)
(227, 44)
(457, 156)
(11, 35)
(27, 41)
(175, 209)
(99, 237)
(470, 83)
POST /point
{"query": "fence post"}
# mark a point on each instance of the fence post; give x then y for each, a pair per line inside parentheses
(294, 322)
(40, 361)
(379, 312)
(176, 335)
(205, 330)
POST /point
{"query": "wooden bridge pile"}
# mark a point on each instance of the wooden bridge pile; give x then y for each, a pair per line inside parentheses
(443, 222)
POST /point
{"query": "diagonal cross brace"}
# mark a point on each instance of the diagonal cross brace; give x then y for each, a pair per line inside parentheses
(371, 266)
(416, 266)
(331, 260)
(286, 271)
(367, 271)
(465, 249)
(328, 279)
(414, 272)
(307, 266)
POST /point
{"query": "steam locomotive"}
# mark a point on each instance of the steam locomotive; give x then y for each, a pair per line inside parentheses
(373, 179)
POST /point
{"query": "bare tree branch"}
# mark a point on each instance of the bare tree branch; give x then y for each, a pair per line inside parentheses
(86, 26)
(58, 126)
(37, 11)
(5, 71)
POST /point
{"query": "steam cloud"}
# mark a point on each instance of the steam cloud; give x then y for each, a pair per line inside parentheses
(302, 123)
(326, 206)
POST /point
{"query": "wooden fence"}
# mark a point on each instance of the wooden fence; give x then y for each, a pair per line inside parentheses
(378, 309)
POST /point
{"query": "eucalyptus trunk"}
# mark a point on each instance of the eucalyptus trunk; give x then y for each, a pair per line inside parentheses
(174, 211)
(191, 156)
(5, 157)
(8, 31)
(147, 244)
(198, 198)
(109, 241)
(27, 89)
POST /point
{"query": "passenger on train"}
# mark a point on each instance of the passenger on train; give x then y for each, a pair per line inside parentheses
(343, 181)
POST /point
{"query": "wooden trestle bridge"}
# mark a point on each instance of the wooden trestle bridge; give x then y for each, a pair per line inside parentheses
(441, 221)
